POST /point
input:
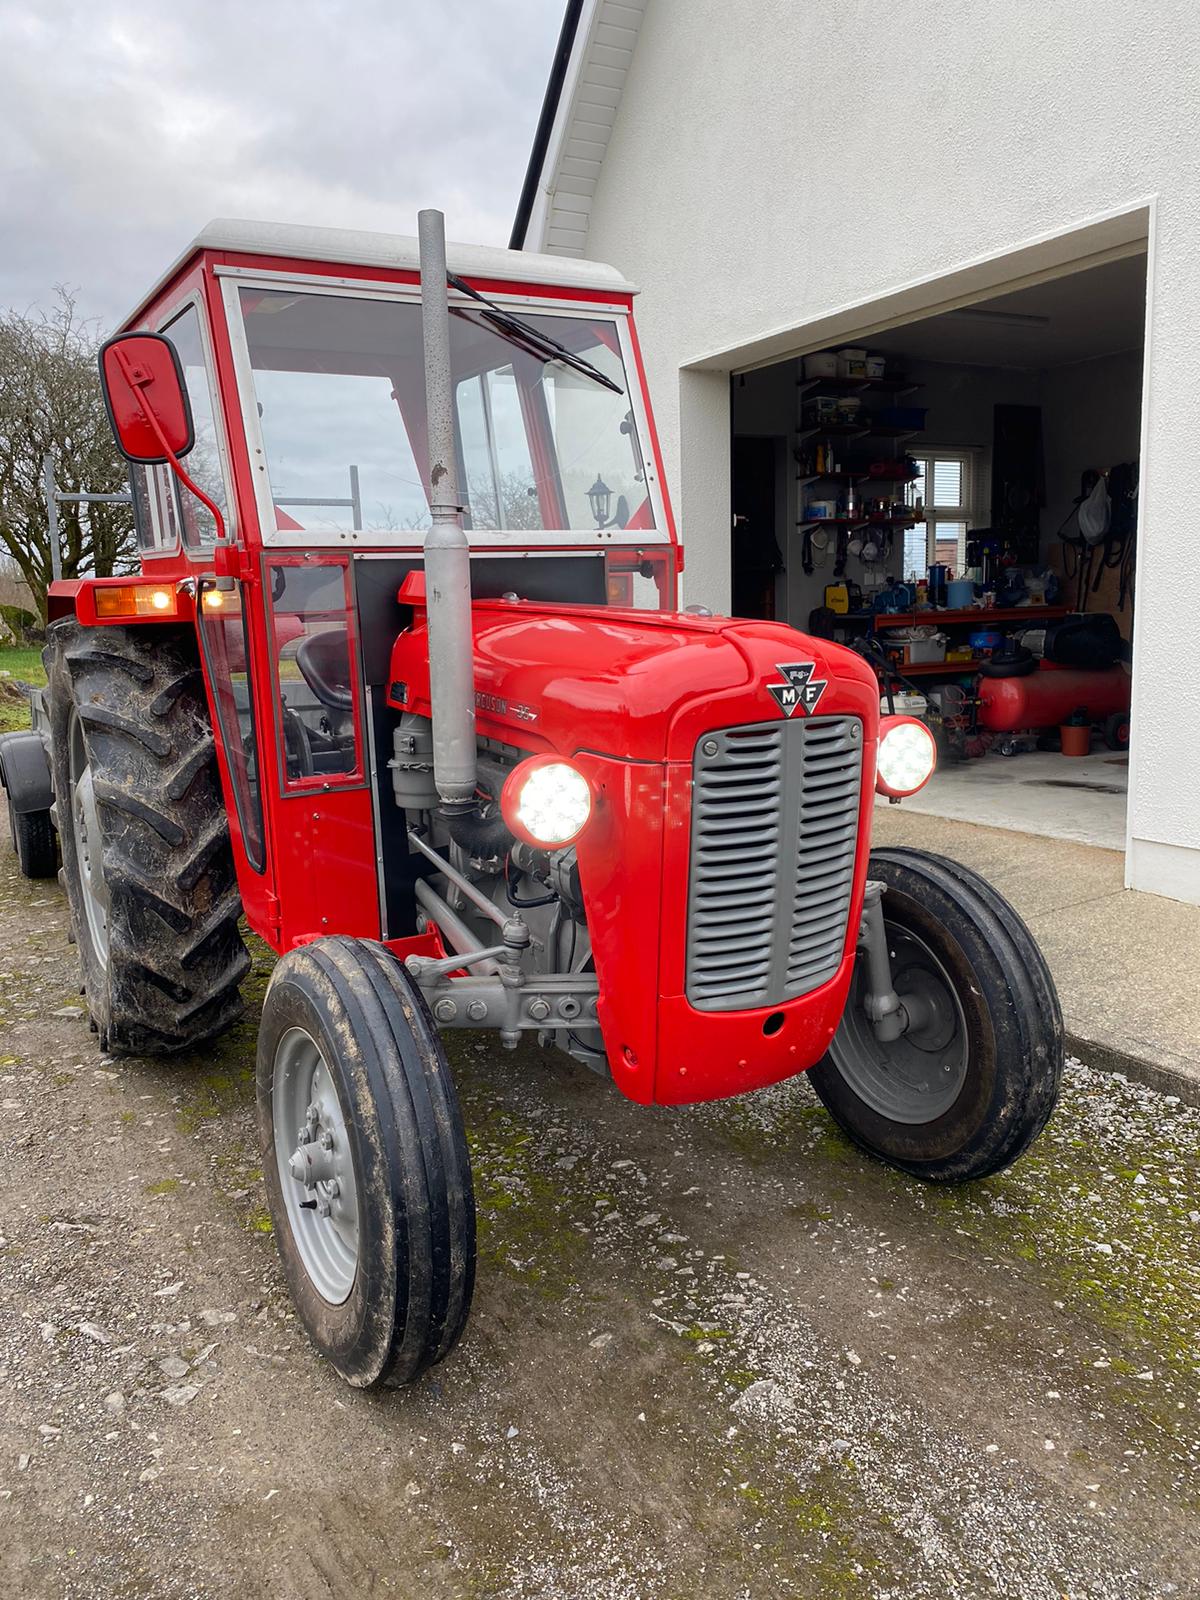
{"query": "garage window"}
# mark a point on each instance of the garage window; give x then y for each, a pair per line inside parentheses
(946, 485)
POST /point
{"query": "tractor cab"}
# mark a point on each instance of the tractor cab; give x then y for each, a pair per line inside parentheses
(403, 679)
(302, 355)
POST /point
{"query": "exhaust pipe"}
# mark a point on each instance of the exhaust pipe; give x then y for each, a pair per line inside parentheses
(447, 554)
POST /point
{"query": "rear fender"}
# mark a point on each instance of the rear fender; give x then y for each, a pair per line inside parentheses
(25, 773)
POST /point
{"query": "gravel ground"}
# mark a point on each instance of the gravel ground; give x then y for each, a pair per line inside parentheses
(713, 1352)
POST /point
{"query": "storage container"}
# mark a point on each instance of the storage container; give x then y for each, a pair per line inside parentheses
(918, 650)
(852, 362)
(820, 510)
(960, 594)
(876, 366)
(821, 364)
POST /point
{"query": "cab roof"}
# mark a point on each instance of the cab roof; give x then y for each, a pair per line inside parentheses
(356, 247)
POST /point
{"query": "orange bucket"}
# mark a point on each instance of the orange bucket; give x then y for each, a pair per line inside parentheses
(1075, 740)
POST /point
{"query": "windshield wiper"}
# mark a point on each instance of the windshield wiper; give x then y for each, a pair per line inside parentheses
(530, 338)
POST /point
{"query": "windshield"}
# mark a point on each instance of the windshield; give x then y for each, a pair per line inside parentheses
(340, 387)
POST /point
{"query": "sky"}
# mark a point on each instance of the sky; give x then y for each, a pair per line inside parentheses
(125, 125)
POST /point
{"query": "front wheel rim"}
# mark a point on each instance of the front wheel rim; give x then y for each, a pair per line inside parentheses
(315, 1163)
(916, 1078)
(89, 851)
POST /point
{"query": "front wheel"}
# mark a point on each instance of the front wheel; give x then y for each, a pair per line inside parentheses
(966, 1092)
(365, 1162)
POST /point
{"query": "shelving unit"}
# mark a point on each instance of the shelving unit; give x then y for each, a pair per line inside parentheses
(887, 484)
(972, 617)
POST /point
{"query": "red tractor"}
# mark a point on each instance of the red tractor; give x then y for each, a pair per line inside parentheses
(403, 679)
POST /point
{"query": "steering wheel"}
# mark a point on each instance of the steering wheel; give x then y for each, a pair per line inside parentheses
(324, 661)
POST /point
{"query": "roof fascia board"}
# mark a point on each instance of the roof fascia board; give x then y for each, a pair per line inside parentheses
(534, 235)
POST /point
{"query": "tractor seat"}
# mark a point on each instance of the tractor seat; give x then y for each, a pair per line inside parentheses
(324, 661)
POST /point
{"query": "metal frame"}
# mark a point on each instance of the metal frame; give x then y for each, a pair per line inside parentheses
(56, 497)
(232, 279)
(502, 995)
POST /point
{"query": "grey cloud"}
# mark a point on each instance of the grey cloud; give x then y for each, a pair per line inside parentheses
(125, 125)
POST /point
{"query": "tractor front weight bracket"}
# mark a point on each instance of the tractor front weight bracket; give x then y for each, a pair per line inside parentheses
(503, 995)
(890, 1015)
(506, 1000)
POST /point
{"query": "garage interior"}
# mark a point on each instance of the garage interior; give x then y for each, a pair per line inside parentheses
(949, 496)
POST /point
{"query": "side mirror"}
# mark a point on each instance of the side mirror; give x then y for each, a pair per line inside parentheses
(146, 398)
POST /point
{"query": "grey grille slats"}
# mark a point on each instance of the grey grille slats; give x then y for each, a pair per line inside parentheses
(774, 830)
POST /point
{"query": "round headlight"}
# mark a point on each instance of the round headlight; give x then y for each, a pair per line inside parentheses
(907, 756)
(546, 802)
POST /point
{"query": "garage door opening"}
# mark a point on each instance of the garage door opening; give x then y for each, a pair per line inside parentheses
(951, 496)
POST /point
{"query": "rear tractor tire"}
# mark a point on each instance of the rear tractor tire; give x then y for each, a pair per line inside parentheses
(963, 1094)
(147, 864)
(365, 1162)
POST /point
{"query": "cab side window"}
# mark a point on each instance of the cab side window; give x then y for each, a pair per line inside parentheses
(311, 636)
(156, 509)
(204, 462)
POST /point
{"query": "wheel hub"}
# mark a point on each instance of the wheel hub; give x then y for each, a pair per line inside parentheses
(316, 1165)
(918, 1076)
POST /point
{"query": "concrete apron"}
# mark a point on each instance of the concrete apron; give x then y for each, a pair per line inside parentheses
(1125, 963)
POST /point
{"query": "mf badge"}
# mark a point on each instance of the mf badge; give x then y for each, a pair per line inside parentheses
(799, 690)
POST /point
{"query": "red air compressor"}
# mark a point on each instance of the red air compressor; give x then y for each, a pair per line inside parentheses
(1047, 697)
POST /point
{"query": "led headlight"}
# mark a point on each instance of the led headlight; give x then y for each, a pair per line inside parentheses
(907, 756)
(546, 802)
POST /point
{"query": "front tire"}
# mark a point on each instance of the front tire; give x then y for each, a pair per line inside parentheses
(964, 1095)
(147, 863)
(365, 1162)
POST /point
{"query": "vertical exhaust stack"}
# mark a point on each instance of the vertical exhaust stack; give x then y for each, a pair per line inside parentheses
(447, 554)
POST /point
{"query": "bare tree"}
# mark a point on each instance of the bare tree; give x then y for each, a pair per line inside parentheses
(50, 402)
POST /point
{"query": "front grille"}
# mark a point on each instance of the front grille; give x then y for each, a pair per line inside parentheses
(774, 829)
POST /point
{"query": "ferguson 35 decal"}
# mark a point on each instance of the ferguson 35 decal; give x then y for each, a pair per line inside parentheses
(800, 691)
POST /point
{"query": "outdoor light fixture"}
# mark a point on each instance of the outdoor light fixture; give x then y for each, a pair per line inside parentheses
(546, 802)
(600, 499)
(907, 756)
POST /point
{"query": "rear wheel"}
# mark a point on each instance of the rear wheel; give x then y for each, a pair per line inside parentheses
(1116, 730)
(147, 864)
(964, 1093)
(33, 840)
(365, 1162)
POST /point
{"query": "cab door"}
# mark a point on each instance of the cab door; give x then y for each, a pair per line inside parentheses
(225, 645)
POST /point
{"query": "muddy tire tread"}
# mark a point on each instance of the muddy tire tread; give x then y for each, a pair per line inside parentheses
(176, 954)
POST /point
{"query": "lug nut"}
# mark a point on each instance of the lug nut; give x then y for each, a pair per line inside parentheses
(333, 1188)
(326, 1140)
(323, 1207)
(445, 1010)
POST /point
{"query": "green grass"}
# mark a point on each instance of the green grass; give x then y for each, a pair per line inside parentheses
(24, 664)
(27, 666)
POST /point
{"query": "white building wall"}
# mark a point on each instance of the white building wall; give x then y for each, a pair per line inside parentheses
(772, 162)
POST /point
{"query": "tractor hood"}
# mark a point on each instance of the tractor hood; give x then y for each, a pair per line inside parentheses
(637, 685)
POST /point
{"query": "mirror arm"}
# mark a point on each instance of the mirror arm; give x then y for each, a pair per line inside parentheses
(138, 379)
